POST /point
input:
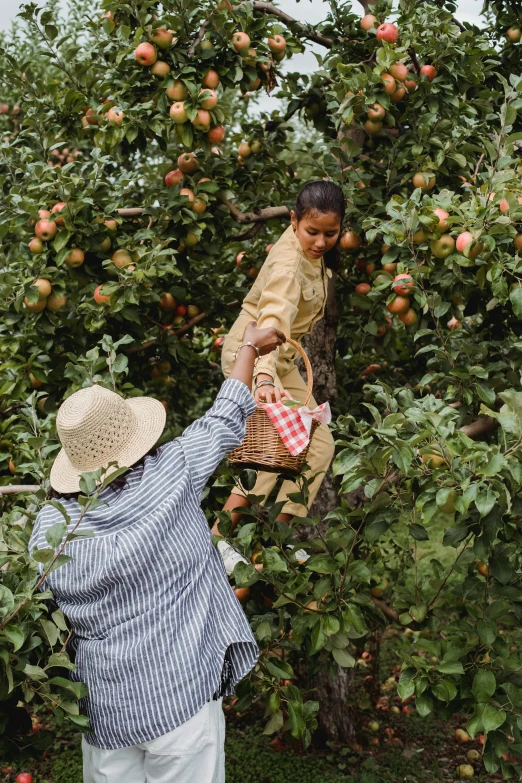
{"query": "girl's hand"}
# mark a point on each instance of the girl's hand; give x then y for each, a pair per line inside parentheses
(269, 393)
(266, 340)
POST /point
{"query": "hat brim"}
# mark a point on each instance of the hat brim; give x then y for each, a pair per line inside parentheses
(150, 422)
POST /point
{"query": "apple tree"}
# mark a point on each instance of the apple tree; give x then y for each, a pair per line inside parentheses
(139, 192)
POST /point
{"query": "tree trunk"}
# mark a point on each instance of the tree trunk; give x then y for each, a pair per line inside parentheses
(333, 693)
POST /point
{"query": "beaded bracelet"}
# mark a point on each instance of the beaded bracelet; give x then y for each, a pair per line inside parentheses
(256, 349)
(263, 383)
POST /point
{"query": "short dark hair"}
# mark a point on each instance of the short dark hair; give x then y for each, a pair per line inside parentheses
(321, 196)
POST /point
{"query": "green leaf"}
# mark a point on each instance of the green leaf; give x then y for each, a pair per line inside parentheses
(34, 672)
(275, 723)
(515, 296)
(445, 690)
(343, 658)
(280, 669)
(492, 718)
(295, 719)
(14, 635)
(487, 631)
(424, 704)
(55, 534)
(450, 667)
(322, 564)
(354, 617)
(418, 532)
(484, 685)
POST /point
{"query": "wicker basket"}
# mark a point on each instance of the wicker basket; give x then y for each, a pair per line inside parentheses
(262, 448)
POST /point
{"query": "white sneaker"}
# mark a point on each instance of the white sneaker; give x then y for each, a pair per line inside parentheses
(301, 555)
(229, 556)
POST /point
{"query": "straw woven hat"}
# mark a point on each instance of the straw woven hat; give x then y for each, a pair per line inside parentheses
(97, 426)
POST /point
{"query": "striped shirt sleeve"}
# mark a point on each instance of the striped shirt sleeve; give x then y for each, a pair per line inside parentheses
(209, 439)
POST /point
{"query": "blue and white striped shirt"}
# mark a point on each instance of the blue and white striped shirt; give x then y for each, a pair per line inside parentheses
(147, 597)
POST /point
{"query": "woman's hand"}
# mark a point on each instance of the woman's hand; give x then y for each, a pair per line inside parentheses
(269, 393)
(265, 340)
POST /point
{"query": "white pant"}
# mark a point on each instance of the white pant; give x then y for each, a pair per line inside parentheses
(192, 753)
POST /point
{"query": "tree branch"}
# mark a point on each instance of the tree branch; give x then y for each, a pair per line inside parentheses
(480, 427)
(262, 216)
(248, 234)
(391, 614)
(199, 37)
(305, 30)
(185, 328)
(15, 489)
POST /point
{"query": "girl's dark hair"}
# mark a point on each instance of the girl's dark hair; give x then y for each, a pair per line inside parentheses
(318, 198)
(118, 483)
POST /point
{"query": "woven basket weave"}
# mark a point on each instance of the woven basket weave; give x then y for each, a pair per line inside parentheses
(262, 448)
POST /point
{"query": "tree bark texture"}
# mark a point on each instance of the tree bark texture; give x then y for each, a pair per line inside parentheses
(336, 720)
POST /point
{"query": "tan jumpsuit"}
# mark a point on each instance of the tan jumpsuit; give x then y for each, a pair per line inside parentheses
(290, 295)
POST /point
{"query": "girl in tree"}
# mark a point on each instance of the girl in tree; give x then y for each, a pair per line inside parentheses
(158, 634)
(290, 294)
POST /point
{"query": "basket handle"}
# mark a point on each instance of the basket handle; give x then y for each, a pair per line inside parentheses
(309, 375)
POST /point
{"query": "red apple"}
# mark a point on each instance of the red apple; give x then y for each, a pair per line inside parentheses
(244, 150)
(188, 163)
(111, 224)
(514, 34)
(178, 112)
(376, 112)
(44, 214)
(277, 43)
(387, 32)
(399, 71)
(211, 79)
(442, 216)
(453, 324)
(409, 318)
(46, 230)
(504, 206)
(202, 121)
(181, 309)
(162, 38)
(35, 245)
(410, 85)
(398, 305)
(43, 286)
(55, 302)
(208, 98)
(363, 289)
(167, 301)
(517, 242)
(216, 135)
(350, 241)
(174, 177)
(146, 54)
(443, 246)
(35, 307)
(160, 68)
(372, 127)
(121, 258)
(429, 71)
(58, 208)
(115, 116)
(241, 41)
(188, 193)
(390, 85)
(424, 183)
(24, 777)
(75, 257)
(369, 22)
(199, 205)
(239, 258)
(463, 241)
(177, 91)
(100, 298)
(398, 95)
(402, 284)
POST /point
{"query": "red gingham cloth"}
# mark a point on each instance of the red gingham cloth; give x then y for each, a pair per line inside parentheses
(294, 424)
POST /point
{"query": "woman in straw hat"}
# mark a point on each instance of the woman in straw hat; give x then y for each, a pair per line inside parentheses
(158, 634)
